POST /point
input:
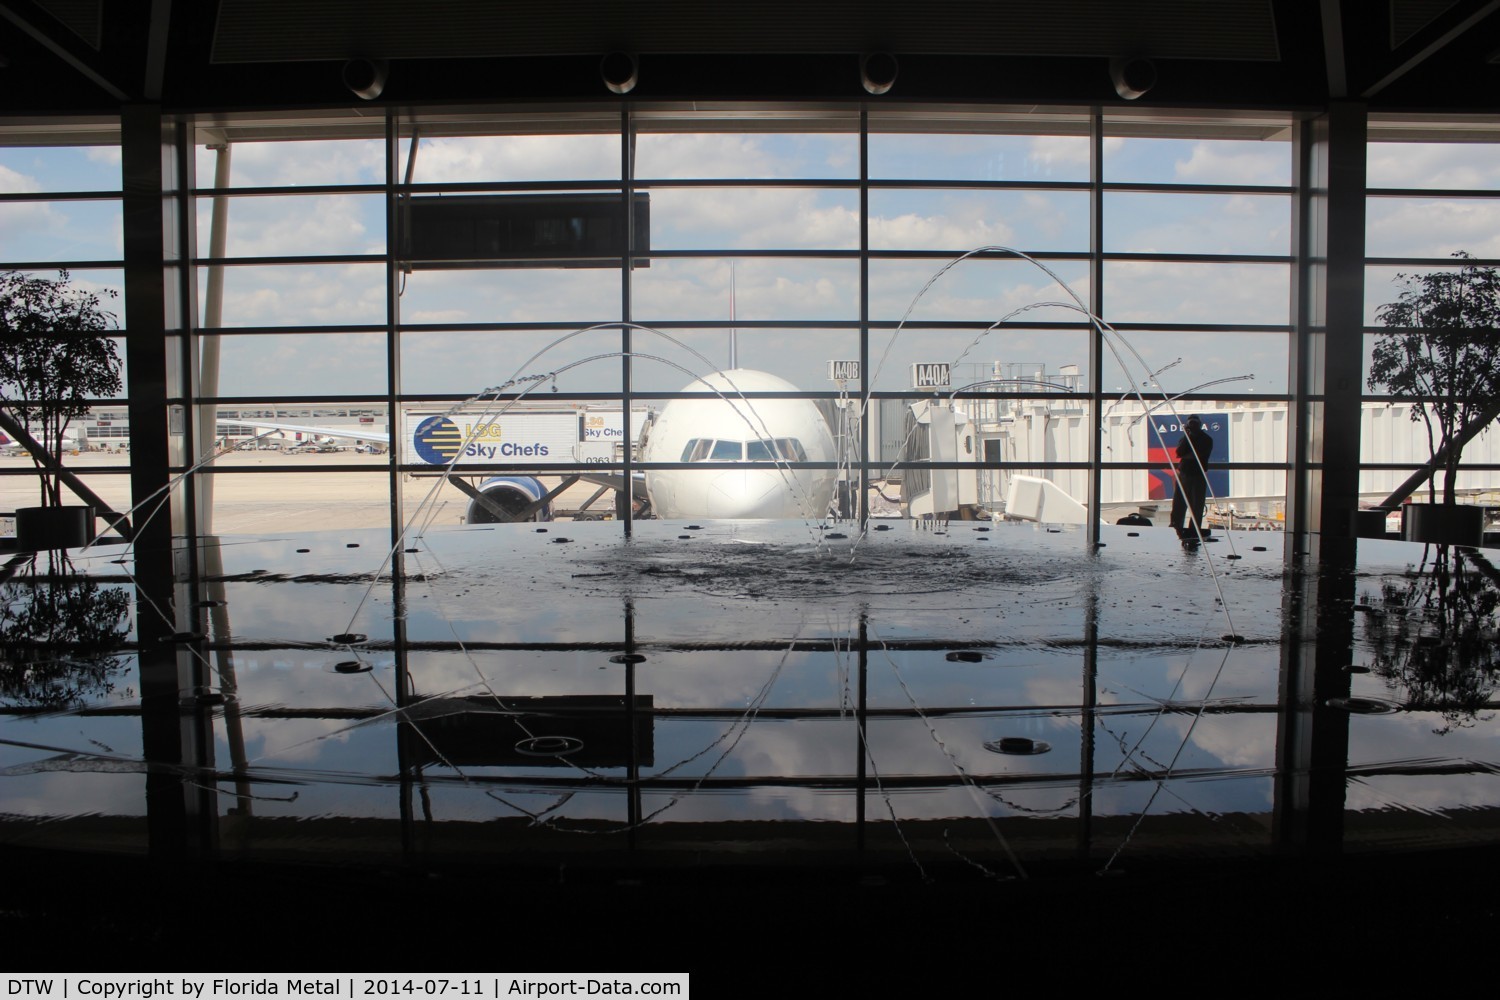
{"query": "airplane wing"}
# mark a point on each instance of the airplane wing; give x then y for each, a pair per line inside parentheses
(351, 433)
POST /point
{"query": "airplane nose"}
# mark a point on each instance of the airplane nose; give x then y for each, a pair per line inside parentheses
(748, 493)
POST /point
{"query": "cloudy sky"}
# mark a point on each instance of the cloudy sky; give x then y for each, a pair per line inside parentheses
(738, 220)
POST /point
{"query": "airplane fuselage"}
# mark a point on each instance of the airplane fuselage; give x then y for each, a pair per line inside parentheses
(743, 447)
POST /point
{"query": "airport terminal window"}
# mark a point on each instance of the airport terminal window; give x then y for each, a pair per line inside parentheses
(1427, 203)
(60, 210)
(754, 222)
(752, 231)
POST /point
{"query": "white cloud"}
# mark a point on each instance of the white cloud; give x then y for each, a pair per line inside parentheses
(1156, 223)
(275, 227)
(753, 218)
(511, 158)
(674, 155)
(278, 296)
(1048, 151)
(14, 182)
(1197, 293)
(1234, 163)
(1432, 228)
(1432, 165)
(270, 164)
(937, 233)
(435, 316)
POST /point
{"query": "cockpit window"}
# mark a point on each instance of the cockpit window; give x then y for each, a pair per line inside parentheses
(764, 450)
(758, 451)
(791, 449)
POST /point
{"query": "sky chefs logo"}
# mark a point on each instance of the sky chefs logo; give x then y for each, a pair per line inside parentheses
(437, 440)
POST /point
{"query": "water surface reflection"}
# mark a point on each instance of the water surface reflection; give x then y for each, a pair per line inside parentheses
(941, 701)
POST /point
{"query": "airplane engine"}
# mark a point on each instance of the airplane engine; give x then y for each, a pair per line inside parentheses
(513, 494)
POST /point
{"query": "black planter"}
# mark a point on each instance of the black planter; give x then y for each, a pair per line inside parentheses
(1442, 523)
(40, 528)
(1370, 523)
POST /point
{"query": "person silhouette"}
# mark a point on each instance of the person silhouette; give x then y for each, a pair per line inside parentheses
(1191, 477)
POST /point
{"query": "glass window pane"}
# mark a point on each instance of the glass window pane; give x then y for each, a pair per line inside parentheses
(61, 231)
(1472, 165)
(809, 156)
(1197, 223)
(300, 364)
(1197, 161)
(984, 290)
(100, 463)
(1008, 359)
(289, 164)
(936, 156)
(762, 289)
(466, 362)
(754, 219)
(1173, 362)
(582, 295)
(1384, 285)
(800, 356)
(503, 158)
(923, 219)
(26, 169)
(260, 226)
(300, 295)
(1180, 292)
(1432, 227)
(993, 440)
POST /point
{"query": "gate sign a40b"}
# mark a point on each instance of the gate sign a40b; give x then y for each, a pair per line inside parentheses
(843, 371)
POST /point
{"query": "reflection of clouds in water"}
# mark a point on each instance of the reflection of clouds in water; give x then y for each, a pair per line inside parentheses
(88, 793)
(270, 743)
(1451, 795)
(1233, 741)
(294, 679)
(1405, 739)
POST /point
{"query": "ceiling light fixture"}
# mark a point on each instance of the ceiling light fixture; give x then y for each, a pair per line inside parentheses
(877, 71)
(620, 72)
(366, 77)
(1132, 77)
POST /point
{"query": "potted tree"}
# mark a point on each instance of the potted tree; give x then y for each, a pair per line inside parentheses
(1440, 355)
(56, 355)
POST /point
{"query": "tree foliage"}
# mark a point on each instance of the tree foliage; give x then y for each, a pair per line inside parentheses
(56, 356)
(1441, 353)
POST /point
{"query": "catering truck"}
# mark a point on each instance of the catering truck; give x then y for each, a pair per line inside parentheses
(501, 460)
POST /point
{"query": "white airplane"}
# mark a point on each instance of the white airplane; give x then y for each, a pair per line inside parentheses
(725, 434)
(10, 446)
(722, 433)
